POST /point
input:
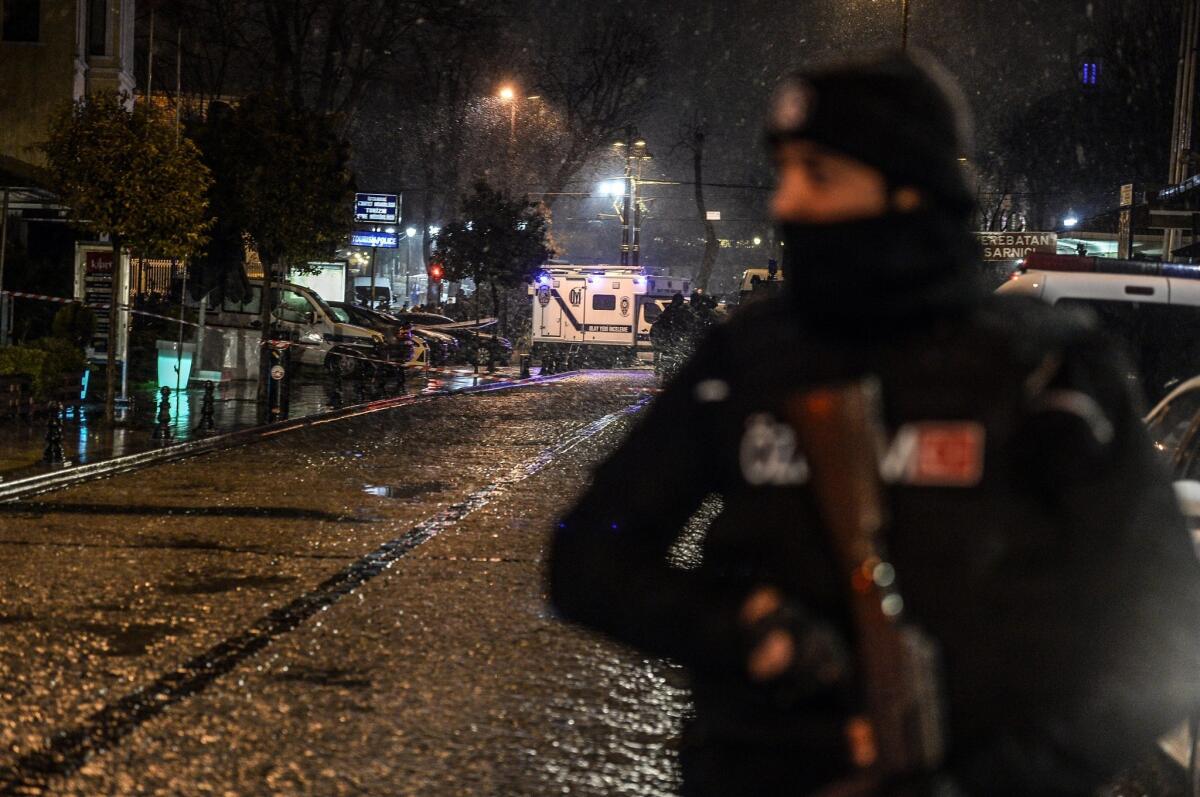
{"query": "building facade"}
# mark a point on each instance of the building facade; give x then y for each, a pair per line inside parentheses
(51, 53)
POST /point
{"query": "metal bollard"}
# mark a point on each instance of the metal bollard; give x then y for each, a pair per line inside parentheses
(380, 372)
(279, 380)
(206, 409)
(360, 386)
(525, 363)
(162, 429)
(53, 453)
(335, 386)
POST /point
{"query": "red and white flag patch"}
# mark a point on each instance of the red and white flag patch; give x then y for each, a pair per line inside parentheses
(946, 454)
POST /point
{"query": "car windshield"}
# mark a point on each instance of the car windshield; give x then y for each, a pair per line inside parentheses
(339, 314)
(1163, 340)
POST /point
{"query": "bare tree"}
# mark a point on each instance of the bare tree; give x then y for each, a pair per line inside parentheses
(598, 82)
(693, 135)
(322, 55)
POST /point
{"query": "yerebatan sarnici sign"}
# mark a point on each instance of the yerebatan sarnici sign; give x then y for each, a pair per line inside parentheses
(998, 246)
(384, 208)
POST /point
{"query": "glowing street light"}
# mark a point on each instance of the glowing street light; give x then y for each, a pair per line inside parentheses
(411, 232)
(507, 93)
(612, 187)
(1070, 221)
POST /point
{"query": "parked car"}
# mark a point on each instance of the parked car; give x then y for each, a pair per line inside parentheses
(1153, 308)
(442, 348)
(398, 346)
(468, 334)
(301, 315)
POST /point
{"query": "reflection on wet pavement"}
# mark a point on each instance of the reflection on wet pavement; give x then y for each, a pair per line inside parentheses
(86, 439)
(380, 628)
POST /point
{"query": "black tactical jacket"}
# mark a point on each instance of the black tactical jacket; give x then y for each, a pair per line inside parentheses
(1047, 558)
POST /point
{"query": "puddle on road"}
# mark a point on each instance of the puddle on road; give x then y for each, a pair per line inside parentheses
(349, 679)
(224, 582)
(403, 490)
(130, 639)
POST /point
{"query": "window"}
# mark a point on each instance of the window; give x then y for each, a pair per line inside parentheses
(97, 31)
(604, 301)
(651, 312)
(293, 307)
(22, 20)
(250, 305)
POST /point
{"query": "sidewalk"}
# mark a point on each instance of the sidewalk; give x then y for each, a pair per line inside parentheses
(86, 439)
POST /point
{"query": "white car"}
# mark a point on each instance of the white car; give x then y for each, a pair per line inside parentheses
(1154, 308)
(307, 320)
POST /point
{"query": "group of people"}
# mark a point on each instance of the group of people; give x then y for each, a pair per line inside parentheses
(677, 330)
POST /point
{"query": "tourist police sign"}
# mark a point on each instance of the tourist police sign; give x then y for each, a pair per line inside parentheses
(999, 246)
(382, 208)
(378, 240)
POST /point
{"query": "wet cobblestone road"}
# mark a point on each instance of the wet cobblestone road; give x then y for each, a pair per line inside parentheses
(355, 608)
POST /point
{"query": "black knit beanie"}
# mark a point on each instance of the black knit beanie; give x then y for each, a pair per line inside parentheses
(901, 113)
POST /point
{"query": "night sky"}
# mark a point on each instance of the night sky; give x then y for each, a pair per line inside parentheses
(726, 56)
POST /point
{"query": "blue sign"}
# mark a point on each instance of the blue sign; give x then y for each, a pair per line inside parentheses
(377, 240)
(383, 208)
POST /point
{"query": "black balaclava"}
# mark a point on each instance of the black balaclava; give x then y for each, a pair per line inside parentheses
(903, 116)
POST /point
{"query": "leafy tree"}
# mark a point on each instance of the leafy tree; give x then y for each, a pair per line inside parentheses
(499, 241)
(289, 186)
(127, 174)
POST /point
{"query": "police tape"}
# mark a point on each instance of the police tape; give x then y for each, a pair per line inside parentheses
(185, 322)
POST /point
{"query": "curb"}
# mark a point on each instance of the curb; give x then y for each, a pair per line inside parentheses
(67, 477)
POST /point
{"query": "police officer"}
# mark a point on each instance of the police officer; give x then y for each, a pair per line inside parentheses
(1033, 533)
(666, 335)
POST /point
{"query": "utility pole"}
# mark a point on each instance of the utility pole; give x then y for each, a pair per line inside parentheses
(1185, 102)
(150, 58)
(5, 300)
(631, 213)
(904, 26)
(627, 211)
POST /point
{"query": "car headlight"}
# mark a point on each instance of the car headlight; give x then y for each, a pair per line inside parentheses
(311, 337)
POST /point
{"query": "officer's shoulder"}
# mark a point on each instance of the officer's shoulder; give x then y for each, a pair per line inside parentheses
(1027, 323)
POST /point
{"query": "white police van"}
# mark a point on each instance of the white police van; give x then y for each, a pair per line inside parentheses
(597, 315)
(1153, 308)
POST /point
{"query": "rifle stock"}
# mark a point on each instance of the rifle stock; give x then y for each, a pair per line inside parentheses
(839, 430)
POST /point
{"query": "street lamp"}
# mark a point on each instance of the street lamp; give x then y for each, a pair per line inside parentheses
(612, 188)
(509, 94)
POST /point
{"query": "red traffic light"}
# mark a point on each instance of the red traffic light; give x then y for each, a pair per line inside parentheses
(435, 272)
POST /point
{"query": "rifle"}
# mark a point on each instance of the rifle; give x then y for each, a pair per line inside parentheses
(900, 733)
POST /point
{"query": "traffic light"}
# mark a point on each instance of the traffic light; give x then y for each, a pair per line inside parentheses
(435, 272)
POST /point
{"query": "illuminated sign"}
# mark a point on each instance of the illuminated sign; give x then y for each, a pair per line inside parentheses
(1001, 246)
(383, 208)
(376, 240)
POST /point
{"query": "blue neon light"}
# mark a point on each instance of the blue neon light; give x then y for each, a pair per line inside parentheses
(377, 240)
